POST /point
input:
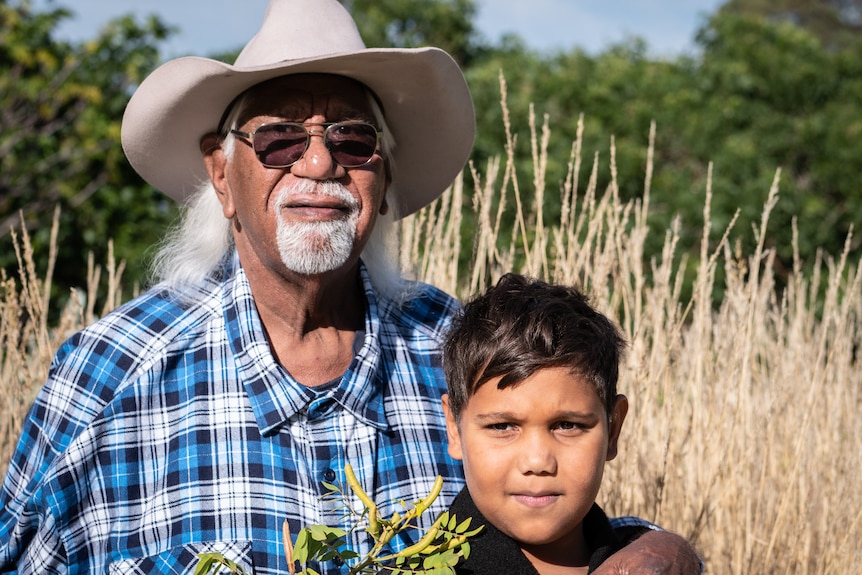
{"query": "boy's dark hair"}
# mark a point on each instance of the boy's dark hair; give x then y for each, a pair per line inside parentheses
(522, 325)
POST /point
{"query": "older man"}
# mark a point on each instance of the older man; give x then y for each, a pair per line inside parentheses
(281, 342)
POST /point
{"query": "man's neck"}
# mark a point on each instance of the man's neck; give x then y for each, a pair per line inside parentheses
(311, 321)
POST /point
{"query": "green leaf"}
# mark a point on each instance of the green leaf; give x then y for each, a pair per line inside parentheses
(331, 487)
(329, 555)
(211, 562)
(447, 558)
(451, 522)
(462, 528)
(300, 548)
(205, 564)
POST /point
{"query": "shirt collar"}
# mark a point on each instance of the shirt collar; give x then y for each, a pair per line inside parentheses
(275, 396)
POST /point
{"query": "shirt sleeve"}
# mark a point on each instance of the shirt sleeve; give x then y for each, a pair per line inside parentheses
(628, 528)
(28, 541)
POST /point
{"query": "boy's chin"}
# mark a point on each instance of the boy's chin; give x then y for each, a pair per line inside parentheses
(537, 535)
(568, 549)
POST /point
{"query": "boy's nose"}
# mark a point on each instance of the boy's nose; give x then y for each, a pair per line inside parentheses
(537, 456)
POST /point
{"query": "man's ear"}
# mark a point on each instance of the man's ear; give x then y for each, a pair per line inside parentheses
(451, 430)
(215, 163)
(618, 415)
(387, 169)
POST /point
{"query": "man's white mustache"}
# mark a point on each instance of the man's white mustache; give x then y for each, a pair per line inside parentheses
(327, 189)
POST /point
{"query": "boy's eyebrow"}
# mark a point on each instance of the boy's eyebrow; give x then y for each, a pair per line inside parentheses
(579, 414)
(495, 415)
(567, 414)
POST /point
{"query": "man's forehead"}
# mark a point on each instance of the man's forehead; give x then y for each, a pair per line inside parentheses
(299, 96)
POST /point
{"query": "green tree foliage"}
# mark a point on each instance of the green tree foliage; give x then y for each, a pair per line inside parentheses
(447, 24)
(59, 141)
(837, 23)
(776, 97)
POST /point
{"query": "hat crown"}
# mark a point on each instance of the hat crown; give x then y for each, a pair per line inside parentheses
(297, 29)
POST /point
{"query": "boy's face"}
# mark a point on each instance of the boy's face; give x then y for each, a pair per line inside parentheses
(534, 454)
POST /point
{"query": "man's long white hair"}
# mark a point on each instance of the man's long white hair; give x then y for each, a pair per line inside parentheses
(200, 242)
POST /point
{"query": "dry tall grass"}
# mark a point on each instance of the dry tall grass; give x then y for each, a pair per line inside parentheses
(27, 342)
(743, 429)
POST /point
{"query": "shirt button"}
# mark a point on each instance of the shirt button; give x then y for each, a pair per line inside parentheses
(329, 475)
(318, 408)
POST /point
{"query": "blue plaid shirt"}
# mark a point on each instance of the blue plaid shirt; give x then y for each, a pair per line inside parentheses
(166, 430)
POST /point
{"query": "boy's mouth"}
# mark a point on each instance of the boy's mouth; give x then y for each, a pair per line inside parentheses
(536, 500)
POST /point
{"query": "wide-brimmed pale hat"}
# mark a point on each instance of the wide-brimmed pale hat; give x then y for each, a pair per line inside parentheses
(423, 93)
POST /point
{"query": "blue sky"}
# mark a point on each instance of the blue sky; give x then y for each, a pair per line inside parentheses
(208, 26)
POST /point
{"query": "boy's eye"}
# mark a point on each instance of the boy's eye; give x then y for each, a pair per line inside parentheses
(568, 425)
(500, 426)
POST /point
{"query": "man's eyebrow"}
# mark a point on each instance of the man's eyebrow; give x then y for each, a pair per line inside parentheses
(358, 116)
(351, 112)
(349, 115)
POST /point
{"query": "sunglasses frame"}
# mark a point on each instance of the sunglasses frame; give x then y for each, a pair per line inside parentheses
(248, 137)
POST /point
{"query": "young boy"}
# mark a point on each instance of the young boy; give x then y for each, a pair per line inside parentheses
(533, 413)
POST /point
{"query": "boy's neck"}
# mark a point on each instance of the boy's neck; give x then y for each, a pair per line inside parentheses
(569, 557)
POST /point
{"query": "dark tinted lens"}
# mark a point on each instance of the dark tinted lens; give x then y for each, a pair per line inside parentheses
(351, 144)
(280, 145)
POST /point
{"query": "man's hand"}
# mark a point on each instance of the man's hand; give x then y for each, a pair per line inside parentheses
(653, 553)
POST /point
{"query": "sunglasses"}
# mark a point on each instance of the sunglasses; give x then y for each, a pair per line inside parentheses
(282, 144)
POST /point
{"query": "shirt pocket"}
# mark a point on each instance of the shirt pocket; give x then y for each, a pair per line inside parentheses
(183, 560)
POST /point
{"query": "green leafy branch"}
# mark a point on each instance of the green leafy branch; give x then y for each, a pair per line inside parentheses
(211, 564)
(436, 552)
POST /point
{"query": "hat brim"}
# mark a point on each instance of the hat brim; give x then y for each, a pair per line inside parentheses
(425, 100)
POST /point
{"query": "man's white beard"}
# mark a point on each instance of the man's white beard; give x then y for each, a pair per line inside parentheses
(311, 248)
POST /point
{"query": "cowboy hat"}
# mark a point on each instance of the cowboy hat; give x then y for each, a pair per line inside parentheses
(423, 93)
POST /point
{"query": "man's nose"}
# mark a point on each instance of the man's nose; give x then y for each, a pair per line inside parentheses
(317, 162)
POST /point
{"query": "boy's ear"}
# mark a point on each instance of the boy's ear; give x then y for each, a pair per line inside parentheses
(618, 415)
(451, 430)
